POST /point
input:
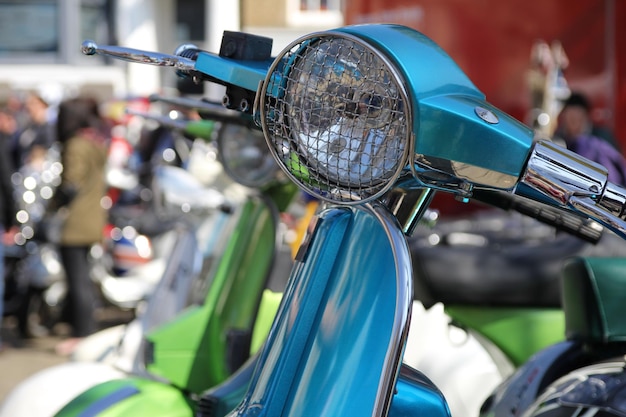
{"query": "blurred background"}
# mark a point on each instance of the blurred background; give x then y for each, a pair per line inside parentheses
(500, 45)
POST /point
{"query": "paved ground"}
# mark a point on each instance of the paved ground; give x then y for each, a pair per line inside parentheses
(22, 358)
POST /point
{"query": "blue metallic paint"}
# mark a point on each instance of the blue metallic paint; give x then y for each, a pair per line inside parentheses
(336, 324)
(245, 74)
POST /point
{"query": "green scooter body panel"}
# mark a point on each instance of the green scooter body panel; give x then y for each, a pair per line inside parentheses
(518, 332)
(130, 397)
(193, 352)
(593, 299)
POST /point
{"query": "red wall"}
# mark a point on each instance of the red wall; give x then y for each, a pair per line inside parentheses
(620, 71)
(491, 40)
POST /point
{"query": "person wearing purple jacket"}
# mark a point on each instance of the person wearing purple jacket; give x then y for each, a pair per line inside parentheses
(598, 150)
(576, 130)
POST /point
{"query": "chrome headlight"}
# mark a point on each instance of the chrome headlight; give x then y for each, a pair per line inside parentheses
(336, 115)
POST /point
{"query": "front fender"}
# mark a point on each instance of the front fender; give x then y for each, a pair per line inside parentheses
(47, 391)
(130, 397)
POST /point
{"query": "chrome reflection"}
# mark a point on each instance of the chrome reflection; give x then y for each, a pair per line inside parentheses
(568, 179)
(404, 295)
(458, 177)
(89, 47)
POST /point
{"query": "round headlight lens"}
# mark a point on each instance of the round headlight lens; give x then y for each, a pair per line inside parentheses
(335, 114)
(244, 155)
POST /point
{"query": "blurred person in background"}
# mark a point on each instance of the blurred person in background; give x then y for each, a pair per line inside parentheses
(15, 105)
(38, 134)
(578, 133)
(8, 131)
(8, 208)
(578, 110)
(84, 137)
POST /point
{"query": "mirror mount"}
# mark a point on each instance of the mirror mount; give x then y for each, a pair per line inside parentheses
(243, 47)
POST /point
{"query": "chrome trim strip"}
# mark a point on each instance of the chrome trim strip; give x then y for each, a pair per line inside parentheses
(458, 177)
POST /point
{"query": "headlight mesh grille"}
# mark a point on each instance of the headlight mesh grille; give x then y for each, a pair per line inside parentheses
(335, 114)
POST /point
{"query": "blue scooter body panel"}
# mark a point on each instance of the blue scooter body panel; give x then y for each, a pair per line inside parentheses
(343, 319)
(245, 74)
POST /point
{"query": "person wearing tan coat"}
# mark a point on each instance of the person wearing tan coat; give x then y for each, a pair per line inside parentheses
(83, 170)
(84, 140)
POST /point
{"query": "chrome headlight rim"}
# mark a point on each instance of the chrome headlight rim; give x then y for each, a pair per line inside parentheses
(332, 192)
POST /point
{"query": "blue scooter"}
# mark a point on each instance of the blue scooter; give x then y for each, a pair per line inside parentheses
(373, 120)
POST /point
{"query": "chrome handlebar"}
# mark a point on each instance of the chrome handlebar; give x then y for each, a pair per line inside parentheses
(567, 179)
(135, 55)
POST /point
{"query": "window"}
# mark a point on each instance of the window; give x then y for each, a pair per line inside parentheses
(190, 18)
(302, 13)
(95, 20)
(50, 31)
(320, 5)
(29, 27)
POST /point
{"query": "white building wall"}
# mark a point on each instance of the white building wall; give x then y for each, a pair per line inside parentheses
(220, 16)
(136, 25)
